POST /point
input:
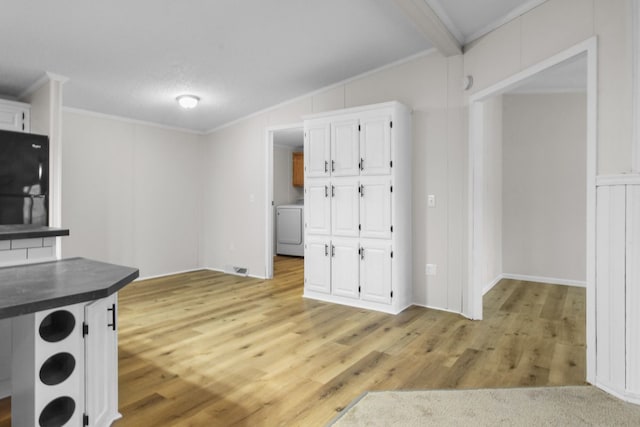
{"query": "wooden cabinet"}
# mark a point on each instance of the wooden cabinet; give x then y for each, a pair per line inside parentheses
(357, 185)
(297, 179)
(14, 116)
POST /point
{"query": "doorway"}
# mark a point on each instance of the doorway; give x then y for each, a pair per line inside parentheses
(285, 193)
(483, 263)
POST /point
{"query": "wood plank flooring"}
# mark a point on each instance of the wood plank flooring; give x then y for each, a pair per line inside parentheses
(208, 349)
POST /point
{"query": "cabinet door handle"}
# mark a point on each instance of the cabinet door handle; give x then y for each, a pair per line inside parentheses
(113, 317)
(361, 164)
(361, 190)
(333, 251)
(333, 165)
(326, 250)
(326, 166)
(361, 253)
(333, 191)
(326, 191)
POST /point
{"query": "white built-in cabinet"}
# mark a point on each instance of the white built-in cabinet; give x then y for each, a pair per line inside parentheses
(14, 116)
(358, 207)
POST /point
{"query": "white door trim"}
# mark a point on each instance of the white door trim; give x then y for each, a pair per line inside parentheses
(472, 296)
(635, 166)
(268, 203)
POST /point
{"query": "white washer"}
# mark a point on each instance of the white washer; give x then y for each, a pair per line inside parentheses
(289, 233)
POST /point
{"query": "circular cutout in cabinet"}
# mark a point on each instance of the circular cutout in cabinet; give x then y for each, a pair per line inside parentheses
(57, 412)
(57, 326)
(57, 368)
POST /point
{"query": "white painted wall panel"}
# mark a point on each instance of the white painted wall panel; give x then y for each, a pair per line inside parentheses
(553, 26)
(492, 215)
(131, 193)
(633, 289)
(610, 287)
(615, 95)
(544, 192)
(557, 25)
(494, 57)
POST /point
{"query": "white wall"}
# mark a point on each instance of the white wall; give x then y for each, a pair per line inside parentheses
(234, 166)
(131, 193)
(553, 27)
(544, 192)
(492, 204)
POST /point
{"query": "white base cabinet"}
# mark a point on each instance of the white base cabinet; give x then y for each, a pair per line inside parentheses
(65, 366)
(358, 207)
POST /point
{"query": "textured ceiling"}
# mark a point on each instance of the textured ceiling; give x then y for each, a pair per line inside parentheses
(132, 58)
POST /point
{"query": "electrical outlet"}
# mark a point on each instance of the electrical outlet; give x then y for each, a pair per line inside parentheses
(431, 269)
(431, 200)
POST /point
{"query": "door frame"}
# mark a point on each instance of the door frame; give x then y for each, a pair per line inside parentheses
(473, 294)
(268, 202)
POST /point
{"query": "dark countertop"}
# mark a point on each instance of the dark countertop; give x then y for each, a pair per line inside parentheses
(35, 287)
(20, 231)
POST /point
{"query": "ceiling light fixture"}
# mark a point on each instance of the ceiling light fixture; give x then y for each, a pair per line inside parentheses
(188, 101)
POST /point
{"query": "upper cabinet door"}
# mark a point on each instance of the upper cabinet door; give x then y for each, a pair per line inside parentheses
(375, 207)
(317, 150)
(345, 207)
(345, 148)
(14, 116)
(375, 146)
(317, 212)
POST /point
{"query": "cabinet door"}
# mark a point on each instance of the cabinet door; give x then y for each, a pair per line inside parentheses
(375, 146)
(101, 361)
(345, 267)
(345, 217)
(297, 178)
(375, 271)
(317, 150)
(14, 117)
(317, 265)
(317, 210)
(375, 207)
(345, 148)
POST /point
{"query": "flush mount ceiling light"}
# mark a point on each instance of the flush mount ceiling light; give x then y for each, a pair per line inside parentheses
(188, 101)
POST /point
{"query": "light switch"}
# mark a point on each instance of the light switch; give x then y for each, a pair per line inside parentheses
(431, 269)
(431, 200)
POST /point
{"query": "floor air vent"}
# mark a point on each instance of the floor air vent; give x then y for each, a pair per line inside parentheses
(238, 271)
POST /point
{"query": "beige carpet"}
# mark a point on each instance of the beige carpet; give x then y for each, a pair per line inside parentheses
(549, 406)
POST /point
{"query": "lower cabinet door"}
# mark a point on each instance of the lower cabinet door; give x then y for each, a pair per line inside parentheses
(375, 271)
(101, 362)
(344, 267)
(317, 265)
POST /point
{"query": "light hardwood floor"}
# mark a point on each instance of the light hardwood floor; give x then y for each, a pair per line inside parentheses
(208, 349)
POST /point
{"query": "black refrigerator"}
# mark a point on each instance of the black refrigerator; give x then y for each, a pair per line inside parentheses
(24, 178)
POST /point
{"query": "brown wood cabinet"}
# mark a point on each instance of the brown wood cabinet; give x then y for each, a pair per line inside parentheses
(298, 169)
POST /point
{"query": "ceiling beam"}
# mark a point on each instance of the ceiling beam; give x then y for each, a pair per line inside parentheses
(431, 26)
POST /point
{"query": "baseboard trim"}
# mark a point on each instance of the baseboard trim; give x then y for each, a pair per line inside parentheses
(622, 395)
(221, 270)
(491, 284)
(5, 388)
(431, 307)
(549, 280)
(191, 270)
